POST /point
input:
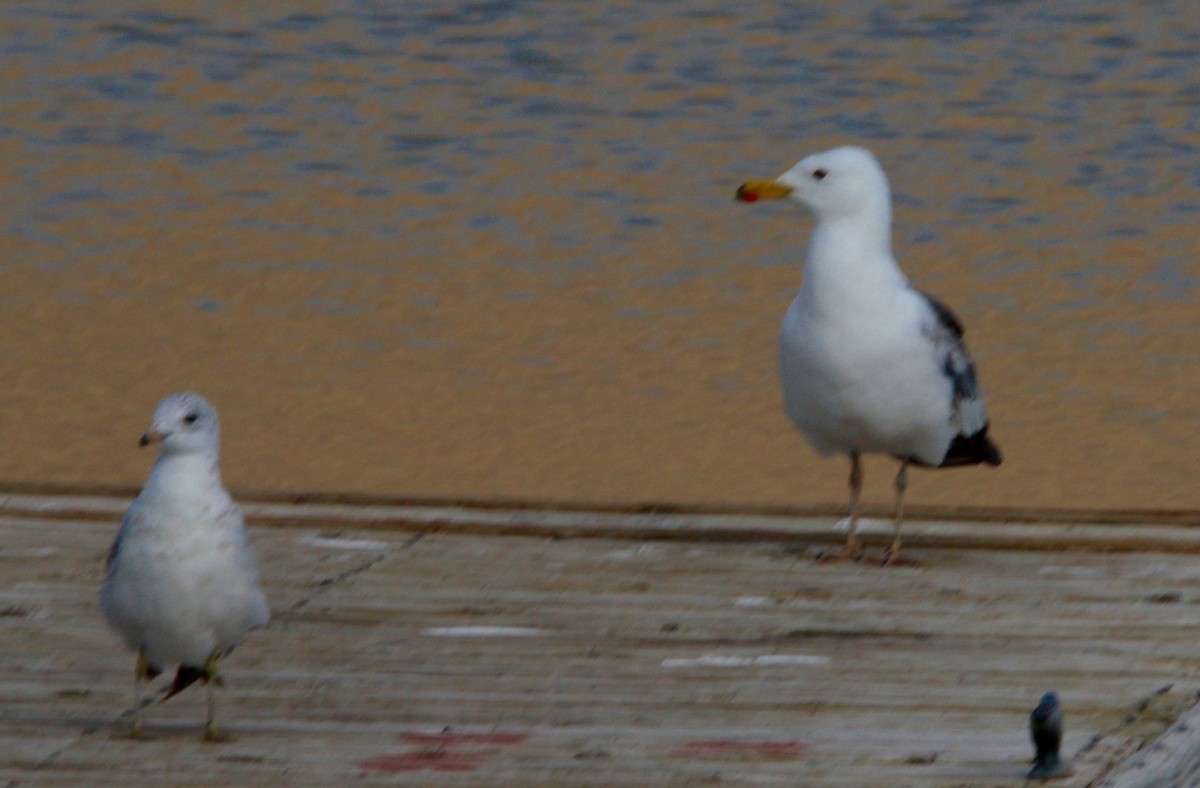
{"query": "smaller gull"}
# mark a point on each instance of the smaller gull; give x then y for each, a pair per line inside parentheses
(181, 585)
(870, 364)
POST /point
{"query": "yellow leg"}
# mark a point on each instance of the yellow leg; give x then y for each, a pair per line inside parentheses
(893, 553)
(211, 732)
(141, 671)
(853, 545)
(853, 549)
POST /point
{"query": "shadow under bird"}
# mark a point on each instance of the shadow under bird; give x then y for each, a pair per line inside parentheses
(181, 584)
(1046, 730)
(868, 363)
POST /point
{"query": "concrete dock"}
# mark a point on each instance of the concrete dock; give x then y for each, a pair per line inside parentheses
(487, 645)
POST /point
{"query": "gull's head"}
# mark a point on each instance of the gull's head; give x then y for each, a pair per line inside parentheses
(184, 423)
(838, 182)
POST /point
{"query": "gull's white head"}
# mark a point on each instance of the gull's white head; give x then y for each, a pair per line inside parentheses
(835, 183)
(184, 423)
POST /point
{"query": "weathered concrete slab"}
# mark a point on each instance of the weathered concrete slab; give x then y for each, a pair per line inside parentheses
(430, 649)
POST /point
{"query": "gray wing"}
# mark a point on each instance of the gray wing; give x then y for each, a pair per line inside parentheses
(112, 551)
(970, 418)
(257, 610)
(119, 539)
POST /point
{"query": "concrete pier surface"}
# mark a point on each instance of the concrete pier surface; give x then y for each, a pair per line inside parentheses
(450, 644)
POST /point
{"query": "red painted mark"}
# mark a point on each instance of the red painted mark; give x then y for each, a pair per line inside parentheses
(747, 196)
(444, 752)
(428, 761)
(742, 750)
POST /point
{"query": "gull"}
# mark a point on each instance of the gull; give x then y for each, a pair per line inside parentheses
(181, 583)
(868, 363)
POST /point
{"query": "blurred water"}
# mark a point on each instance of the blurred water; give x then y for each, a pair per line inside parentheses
(454, 225)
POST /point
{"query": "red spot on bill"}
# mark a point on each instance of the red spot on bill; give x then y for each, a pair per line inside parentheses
(726, 750)
(444, 752)
(746, 193)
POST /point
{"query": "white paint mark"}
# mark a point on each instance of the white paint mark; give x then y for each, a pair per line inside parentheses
(29, 553)
(791, 659)
(720, 661)
(1070, 571)
(753, 601)
(632, 552)
(483, 632)
(344, 544)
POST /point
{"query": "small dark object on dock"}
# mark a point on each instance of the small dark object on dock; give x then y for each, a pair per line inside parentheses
(1046, 730)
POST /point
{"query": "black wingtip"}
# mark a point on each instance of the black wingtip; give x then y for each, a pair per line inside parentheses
(184, 677)
(972, 450)
(990, 452)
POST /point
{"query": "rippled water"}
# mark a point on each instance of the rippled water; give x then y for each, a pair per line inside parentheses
(490, 248)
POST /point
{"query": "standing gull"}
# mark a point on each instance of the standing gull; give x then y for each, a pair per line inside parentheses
(868, 363)
(181, 585)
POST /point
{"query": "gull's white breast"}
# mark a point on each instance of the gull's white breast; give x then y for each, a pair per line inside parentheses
(866, 381)
(183, 581)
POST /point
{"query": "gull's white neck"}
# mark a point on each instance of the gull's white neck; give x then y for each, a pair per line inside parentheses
(184, 473)
(850, 263)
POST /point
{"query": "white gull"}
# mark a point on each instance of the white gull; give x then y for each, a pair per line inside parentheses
(868, 363)
(181, 585)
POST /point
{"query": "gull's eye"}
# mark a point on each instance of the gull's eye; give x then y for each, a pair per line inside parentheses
(819, 174)
(191, 418)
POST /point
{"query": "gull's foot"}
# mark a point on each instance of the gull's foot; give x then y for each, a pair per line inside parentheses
(853, 551)
(893, 557)
(215, 735)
